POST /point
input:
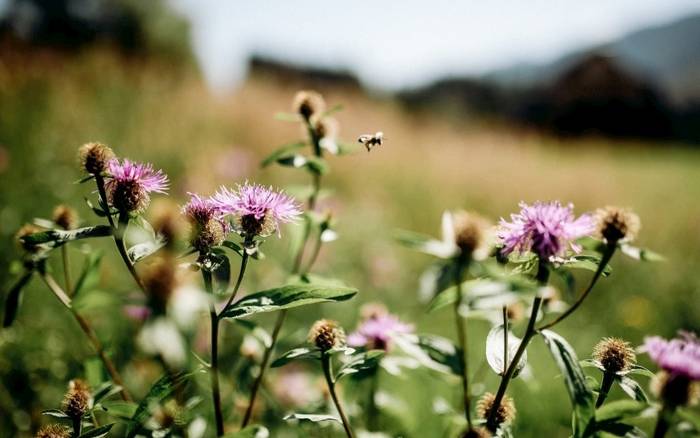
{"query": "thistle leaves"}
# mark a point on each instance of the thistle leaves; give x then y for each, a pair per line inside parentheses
(495, 344)
(56, 238)
(14, 297)
(158, 392)
(287, 297)
(581, 396)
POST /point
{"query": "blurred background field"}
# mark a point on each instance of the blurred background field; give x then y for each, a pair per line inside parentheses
(151, 102)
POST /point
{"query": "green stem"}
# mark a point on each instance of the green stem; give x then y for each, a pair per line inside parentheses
(542, 278)
(77, 426)
(326, 365)
(462, 340)
(296, 268)
(505, 337)
(215, 392)
(372, 412)
(607, 255)
(66, 269)
(239, 280)
(605, 385)
(263, 366)
(662, 423)
(91, 335)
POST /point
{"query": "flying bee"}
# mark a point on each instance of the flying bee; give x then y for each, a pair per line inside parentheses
(371, 140)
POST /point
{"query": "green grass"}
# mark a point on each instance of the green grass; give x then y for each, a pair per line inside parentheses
(154, 112)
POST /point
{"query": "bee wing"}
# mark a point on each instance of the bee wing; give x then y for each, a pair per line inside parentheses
(364, 139)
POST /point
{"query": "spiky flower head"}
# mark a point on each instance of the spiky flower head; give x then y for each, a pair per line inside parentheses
(546, 228)
(308, 103)
(477, 432)
(258, 210)
(615, 224)
(76, 402)
(24, 231)
(208, 227)
(377, 331)
(679, 356)
(471, 233)
(505, 413)
(65, 217)
(130, 185)
(326, 334)
(53, 431)
(95, 157)
(616, 355)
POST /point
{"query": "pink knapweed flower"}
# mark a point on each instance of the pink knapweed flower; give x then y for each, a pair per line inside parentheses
(130, 185)
(208, 226)
(679, 356)
(546, 228)
(377, 330)
(258, 210)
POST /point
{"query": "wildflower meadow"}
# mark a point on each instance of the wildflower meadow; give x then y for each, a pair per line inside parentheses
(229, 321)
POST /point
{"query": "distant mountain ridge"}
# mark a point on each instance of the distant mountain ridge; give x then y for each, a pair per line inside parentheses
(668, 55)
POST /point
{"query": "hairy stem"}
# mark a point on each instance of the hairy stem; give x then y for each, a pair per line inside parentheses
(296, 268)
(605, 385)
(462, 341)
(215, 392)
(239, 280)
(542, 278)
(326, 364)
(607, 255)
(66, 269)
(92, 337)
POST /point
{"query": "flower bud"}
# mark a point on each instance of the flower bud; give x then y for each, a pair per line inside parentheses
(326, 334)
(478, 432)
(76, 402)
(471, 233)
(675, 389)
(615, 224)
(53, 431)
(504, 414)
(160, 280)
(616, 355)
(324, 127)
(94, 157)
(24, 231)
(168, 222)
(65, 217)
(307, 103)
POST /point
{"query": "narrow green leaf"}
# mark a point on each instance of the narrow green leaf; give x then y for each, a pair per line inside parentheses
(495, 351)
(283, 152)
(90, 275)
(361, 365)
(119, 409)
(55, 238)
(14, 297)
(639, 370)
(55, 413)
(85, 179)
(641, 254)
(296, 354)
(287, 297)
(98, 432)
(158, 392)
(632, 388)
(619, 410)
(104, 391)
(581, 396)
(312, 417)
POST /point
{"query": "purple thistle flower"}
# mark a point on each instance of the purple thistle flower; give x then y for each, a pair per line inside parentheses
(377, 330)
(259, 210)
(545, 228)
(209, 227)
(679, 356)
(131, 183)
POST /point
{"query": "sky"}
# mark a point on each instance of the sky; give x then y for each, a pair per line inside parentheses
(398, 44)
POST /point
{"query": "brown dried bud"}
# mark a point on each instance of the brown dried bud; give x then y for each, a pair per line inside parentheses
(168, 222)
(478, 432)
(307, 103)
(129, 196)
(504, 414)
(53, 431)
(94, 157)
(76, 402)
(616, 224)
(210, 234)
(616, 355)
(471, 233)
(326, 334)
(325, 127)
(24, 231)
(65, 217)
(160, 280)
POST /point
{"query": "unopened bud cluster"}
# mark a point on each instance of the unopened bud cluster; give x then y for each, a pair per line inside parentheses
(505, 412)
(76, 402)
(95, 157)
(326, 334)
(615, 355)
(615, 224)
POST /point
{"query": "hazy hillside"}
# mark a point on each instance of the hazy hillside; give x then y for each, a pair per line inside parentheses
(668, 54)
